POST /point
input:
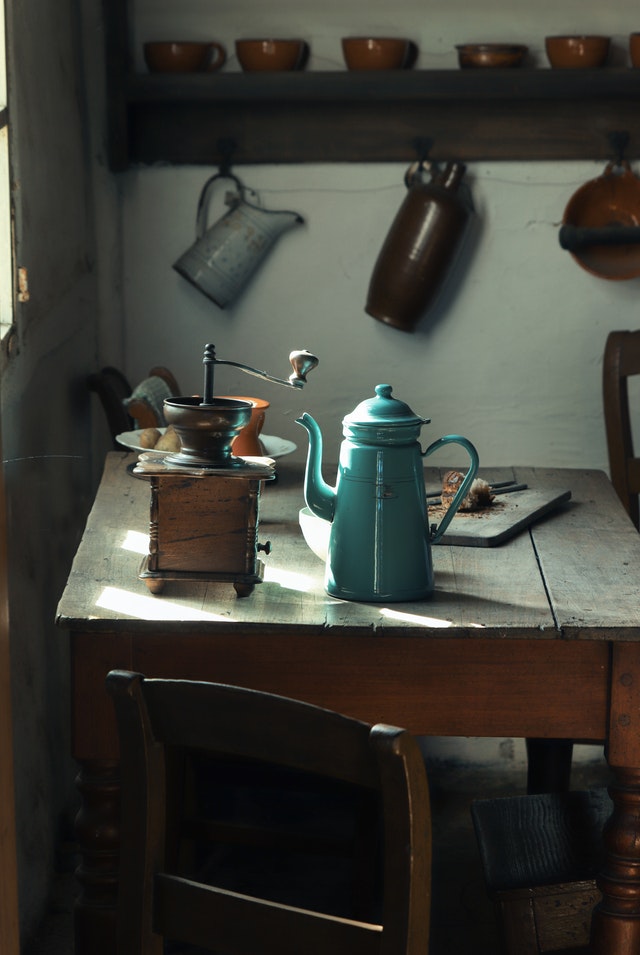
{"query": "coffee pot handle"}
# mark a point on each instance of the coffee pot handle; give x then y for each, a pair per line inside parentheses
(203, 202)
(437, 532)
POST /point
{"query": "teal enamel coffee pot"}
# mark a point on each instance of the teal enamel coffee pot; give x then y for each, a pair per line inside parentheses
(380, 539)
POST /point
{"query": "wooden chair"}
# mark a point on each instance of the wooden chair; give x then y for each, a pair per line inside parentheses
(621, 362)
(129, 408)
(218, 908)
(540, 855)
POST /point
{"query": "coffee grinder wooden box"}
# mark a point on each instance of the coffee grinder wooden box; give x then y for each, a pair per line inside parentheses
(205, 527)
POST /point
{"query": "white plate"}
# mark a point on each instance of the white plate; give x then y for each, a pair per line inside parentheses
(276, 447)
(273, 447)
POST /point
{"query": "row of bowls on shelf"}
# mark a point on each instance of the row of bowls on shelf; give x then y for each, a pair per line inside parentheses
(360, 53)
(375, 53)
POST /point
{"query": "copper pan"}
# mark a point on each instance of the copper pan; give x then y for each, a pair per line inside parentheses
(601, 224)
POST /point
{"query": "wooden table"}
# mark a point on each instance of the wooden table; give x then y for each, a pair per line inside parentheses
(539, 637)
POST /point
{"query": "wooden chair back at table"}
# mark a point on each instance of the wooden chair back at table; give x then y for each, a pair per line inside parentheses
(158, 719)
(621, 362)
(113, 388)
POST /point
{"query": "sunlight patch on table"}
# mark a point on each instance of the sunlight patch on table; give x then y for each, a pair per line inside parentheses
(125, 603)
(289, 579)
(137, 542)
(418, 620)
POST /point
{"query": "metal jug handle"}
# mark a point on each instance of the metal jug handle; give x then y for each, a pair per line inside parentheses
(436, 533)
(203, 202)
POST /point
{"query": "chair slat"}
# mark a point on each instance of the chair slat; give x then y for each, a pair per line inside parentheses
(250, 926)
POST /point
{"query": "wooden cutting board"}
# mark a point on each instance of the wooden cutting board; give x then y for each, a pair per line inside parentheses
(509, 515)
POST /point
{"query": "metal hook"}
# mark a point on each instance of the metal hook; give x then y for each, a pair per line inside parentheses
(226, 147)
(422, 146)
(618, 141)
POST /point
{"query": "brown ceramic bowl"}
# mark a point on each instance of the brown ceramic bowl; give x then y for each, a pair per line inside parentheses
(577, 52)
(613, 199)
(496, 55)
(260, 55)
(375, 53)
(183, 57)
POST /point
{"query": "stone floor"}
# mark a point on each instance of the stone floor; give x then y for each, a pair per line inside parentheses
(463, 920)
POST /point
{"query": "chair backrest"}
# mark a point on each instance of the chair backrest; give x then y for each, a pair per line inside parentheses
(158, 719)
(621, 361)
(129, 408)
(112, 388)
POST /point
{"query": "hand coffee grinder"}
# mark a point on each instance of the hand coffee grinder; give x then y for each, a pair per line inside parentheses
(204, 499)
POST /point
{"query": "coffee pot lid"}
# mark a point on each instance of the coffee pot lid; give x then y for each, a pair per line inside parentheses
(383, 411)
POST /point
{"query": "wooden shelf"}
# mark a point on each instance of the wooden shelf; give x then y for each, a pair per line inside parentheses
(469, 115)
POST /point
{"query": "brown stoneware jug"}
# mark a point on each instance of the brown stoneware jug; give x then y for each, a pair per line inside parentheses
(420, 247)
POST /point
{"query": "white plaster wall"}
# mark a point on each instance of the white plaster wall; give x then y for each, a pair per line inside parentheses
(511, 354)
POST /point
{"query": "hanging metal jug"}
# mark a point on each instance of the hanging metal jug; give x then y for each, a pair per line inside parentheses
(226, 254)
(380, 538)
(420, 247)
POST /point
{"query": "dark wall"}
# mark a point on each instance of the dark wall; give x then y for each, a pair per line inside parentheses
(45, 412)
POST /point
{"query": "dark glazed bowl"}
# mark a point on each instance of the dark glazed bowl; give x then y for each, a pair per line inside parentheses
(496, 55)
(577, 52)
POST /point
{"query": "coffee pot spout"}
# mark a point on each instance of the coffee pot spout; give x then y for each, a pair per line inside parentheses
(320, 496)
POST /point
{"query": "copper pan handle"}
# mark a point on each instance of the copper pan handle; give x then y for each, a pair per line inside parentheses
(572, 238)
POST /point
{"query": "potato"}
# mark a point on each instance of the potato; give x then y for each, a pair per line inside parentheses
(169, 441)
(149, 437)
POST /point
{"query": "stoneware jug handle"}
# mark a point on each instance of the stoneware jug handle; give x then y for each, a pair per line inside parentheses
(461, 493)
(203, 202)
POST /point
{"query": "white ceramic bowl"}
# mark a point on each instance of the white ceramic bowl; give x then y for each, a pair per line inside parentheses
(315, 531)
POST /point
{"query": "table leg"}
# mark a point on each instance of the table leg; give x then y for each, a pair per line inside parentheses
(616, 920)
(98, 835)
